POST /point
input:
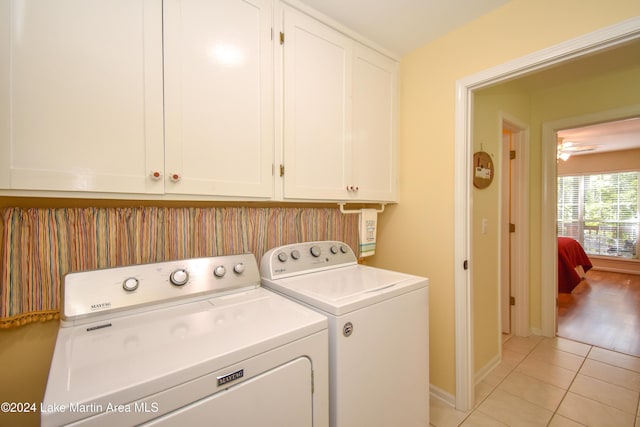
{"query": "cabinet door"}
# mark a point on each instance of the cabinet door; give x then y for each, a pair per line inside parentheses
(375, 82)
(317, 85)
(218, 97)
(81, 95)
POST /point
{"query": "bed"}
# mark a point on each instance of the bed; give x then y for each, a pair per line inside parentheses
(571, 256)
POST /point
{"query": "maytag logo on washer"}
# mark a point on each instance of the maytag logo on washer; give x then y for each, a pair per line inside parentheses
(101, 306)
(230, 377)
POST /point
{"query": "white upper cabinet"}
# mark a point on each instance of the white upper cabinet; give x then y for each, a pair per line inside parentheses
(317, 105)
(187, 99)
(375, 124)
(81, 95)
(218, 97)
(340, 115)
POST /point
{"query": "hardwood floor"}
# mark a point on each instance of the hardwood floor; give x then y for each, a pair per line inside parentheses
(603, 310)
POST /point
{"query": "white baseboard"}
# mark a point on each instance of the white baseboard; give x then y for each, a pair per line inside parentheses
(442, 395)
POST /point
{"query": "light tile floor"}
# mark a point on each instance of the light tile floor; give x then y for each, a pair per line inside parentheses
(552, 382)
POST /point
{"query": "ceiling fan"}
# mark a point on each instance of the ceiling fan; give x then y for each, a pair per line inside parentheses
(567, 148)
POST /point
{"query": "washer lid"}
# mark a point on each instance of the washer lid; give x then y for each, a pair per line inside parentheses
(119, 361)
(346, 289)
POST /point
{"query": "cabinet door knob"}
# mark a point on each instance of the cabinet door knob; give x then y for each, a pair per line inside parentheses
(155, 175)
(175, 177)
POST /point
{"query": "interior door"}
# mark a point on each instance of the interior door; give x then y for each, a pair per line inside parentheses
(507, 213)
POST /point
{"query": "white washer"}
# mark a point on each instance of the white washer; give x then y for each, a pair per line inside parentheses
(378, 331)
(190, 342)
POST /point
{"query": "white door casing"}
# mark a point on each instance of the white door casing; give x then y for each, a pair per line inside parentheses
(596, 41)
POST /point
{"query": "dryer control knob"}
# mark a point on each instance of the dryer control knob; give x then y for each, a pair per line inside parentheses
(179, 277)
(282, 257)
(220, 271)
(295, 254)
(315, 251)
(334, 249)
(130, 284)
(344, 249)
(238, 268)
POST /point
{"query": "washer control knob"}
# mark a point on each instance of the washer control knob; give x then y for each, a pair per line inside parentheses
(344, 249)
(179, 277)
(282, 257)
(130, 284)
(295, 254)
(315, 251)
(219, 271)
(334, 249)
(239, 268)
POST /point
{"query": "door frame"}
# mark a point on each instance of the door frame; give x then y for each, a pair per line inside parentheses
(519, 249)
(596, 41)
(549, 285)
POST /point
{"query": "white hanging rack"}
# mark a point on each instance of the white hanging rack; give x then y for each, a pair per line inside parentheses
(354, 211)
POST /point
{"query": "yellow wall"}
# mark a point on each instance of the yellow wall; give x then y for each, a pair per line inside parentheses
(417, 234)
(609, 161)
(564, 94)
(487, 136)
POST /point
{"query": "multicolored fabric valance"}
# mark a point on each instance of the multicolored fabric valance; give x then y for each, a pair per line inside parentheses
(41, 245)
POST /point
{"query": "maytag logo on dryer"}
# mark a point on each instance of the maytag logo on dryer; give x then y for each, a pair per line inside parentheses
(224, 379)
(100, 306)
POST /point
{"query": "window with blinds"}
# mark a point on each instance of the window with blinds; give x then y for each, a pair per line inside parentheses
(601, 212)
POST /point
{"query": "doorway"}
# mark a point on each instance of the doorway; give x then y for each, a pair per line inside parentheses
(514, 230)
(549, 289)
(591, 43)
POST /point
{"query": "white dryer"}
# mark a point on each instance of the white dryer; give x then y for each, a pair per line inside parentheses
(186, 343)
(378, 331)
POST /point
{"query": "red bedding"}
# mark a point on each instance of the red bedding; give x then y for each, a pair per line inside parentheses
(570, 255)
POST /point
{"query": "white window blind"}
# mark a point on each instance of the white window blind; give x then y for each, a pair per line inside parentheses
(601, 212)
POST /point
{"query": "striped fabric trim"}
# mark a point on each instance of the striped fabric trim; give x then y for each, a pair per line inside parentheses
(41, 245)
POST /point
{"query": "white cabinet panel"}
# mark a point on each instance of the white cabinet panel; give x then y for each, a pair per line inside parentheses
(340, 115)
(317, 73)
(375, 82)
(219, 97)
(81, 95)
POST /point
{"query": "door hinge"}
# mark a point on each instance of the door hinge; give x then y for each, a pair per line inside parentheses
(281, 170)
(512, 154)
(512, 228)
(281, 37)
(512, 300)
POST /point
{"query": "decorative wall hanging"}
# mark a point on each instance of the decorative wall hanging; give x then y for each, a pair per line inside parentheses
(483, 170)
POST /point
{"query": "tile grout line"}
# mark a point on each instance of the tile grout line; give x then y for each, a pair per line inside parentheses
(511, 371)
(586, 356)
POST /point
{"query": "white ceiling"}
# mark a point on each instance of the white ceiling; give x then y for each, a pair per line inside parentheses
(401, 26)
(611, 136)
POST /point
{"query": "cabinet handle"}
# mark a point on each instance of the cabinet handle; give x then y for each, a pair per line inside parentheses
(155, 175)
(352, 188)
(174, 177)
